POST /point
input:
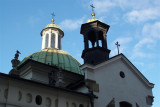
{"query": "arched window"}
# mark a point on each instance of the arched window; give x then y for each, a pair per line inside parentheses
(59, 41)
(53, 40)
(100, 38)
(46, 40)
(125, 104)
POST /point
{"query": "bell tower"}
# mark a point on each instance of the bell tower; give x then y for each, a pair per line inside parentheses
(95, 42)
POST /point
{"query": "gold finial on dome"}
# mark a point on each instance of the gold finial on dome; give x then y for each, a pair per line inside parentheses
(53, 17)
(93, 14)
(52, 20)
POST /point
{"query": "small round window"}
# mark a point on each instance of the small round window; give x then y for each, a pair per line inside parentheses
(122, 74)
(38, 100)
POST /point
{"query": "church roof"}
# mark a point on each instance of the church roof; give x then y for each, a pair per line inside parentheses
(127, 62)
(53, 25)
(55, 57)
(93, 18)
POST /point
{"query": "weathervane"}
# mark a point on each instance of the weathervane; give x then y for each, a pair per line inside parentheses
(53, 17)
(118, 45)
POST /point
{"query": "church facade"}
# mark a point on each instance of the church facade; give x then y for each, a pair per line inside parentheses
(51, 77)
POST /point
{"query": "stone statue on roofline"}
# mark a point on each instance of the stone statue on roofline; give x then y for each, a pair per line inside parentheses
(15, 63)
(17, 55)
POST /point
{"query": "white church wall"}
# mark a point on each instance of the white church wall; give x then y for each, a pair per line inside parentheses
(27, 75)
(36, 74)
(3, 91)
(25, 94)
(2, 105)
(112, 85)
(40, 76)
(89, 74)
(83, 89)
(133, 88)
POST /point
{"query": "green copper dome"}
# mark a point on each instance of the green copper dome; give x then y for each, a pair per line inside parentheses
(58, 58)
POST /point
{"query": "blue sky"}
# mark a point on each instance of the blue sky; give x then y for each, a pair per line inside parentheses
(134, 23)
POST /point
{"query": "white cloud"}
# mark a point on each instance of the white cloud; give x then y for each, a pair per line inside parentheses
(71, 24)
(147, 46)
(146, 41)
(152, 30)
(140, 54)
(103, 6)
(134, 4)
(141, 47)
(142, 15)
(133, 10)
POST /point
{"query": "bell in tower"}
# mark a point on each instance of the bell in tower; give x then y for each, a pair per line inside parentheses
(95, 43)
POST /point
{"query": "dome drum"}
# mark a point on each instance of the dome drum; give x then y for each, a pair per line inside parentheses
(55, 29)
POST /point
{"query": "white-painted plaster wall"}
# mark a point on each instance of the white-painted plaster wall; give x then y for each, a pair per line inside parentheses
(55, 42)
(111, 85)
(16, 86)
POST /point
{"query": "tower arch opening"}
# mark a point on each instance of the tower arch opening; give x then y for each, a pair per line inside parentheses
(89, 44)
(100, 38)
(92, 38)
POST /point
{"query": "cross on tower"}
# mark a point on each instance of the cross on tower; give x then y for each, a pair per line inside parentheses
(118, 45)
(92, 7)
(53, 15)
